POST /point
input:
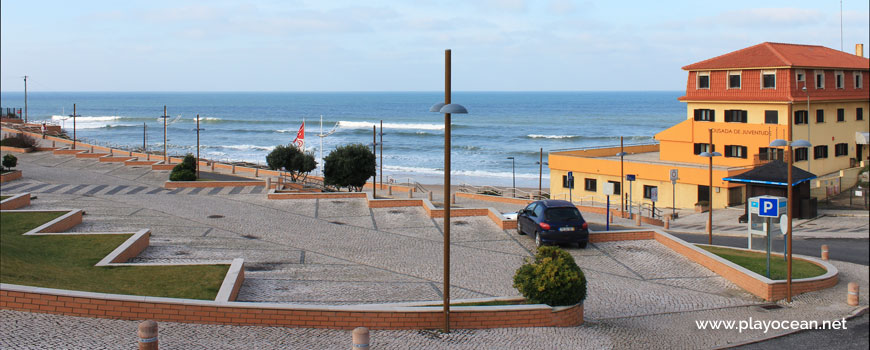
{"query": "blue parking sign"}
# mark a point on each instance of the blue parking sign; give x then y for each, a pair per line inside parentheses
(768, 207)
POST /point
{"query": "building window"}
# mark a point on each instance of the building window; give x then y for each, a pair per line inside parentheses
(771, 117)
(735, 151)
(841, 149)
(801, 154)
(616, 189)
(859, 83)
(565, 182)
(703, 147)
(735, 116)
(591, 185)
(648, 190)
(841, 79)
(768, 79)
(841, 115)
(820, 116)
(801, 117)
(801, 76)
(820, 79)
(703, 80)
(734, 80)
(859, 113)
(705, 115)
(820, 152)
(768, 153)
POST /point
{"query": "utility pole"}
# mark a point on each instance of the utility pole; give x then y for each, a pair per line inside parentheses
(25, 100)
(197, 145)
(382, 153)
(374, 178)
(165, 160)
(144, 137)
(74, 126)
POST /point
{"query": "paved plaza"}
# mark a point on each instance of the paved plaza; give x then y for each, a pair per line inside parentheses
(340, 252)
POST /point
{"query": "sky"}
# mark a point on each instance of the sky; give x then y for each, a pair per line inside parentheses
(379, 45)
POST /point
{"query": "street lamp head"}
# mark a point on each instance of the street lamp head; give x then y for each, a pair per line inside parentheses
(801, 143)
(510, 158)
(436, 107)
(778, 143)
(709, 155)
(621, 154)
(454, 108)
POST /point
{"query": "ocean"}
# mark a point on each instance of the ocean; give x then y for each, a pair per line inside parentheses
(245, 126)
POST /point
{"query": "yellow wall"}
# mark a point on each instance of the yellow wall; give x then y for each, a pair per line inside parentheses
(830, 133)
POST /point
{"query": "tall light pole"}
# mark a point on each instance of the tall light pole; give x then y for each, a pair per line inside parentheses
(374, 154)
(165, 160)
(789, 194)
(513, 177)
(710, 155)
(25, 99)
(197, 145)
(382, 154)
(447, 109)
(540, 171)
(74, 115)
(809, 139)
(621, 155)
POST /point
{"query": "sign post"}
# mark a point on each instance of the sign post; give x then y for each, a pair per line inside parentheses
(654, 197)
(570, 186)
(674, 174)
(764, 208)
(630, 178)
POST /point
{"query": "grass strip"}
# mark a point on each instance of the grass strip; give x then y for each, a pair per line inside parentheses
(67, 262)
(757, 262)
(3, 198)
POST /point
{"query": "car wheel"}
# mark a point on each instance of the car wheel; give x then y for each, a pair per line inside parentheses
(519, 228)
(538, 242)
(582, 245)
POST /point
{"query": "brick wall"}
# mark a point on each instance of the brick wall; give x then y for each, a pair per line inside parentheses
(259, 314)
(15, 202)
(185, 184)
(10, 176)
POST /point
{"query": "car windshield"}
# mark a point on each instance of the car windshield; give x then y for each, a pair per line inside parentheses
(563, 214)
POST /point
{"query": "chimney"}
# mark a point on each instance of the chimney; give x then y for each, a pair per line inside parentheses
(859, 49)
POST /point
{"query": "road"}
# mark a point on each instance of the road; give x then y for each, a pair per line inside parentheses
(854, 250)
(855, 336)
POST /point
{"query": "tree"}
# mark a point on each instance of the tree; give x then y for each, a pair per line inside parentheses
(289, 158)
(552, 278)
(185, 171)
(349, 166)
(10, 161)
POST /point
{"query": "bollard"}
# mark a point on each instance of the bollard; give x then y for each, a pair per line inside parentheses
(390, 190)
(667, 222)
(212, 166)
(430, 196)
(637, 216)
(360, 338)
(824, 252)
(852, 297)
(256, 172)
(148, 335)
(268, 184)
(234, 168)
(92, 149)
(410, 193)
(610, 216)
(453, 198)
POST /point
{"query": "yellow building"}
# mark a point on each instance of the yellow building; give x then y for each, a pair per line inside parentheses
(742, 100)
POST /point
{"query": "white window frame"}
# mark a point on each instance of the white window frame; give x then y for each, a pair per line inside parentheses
(738, 73)
(698, 80)
(797, 76)
(858, 79)
(764, 72)
(842, 76)
(816, 75)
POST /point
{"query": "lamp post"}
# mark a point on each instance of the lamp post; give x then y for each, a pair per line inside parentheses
(710, 155)
(382, 154)
(790, 208)
(621, 155)
(513, 177)
(197, 145)
(541, 164)
(809, 139)
(165, 160)
(74, 115)
(447, 109)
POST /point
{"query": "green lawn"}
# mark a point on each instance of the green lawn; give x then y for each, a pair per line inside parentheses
(3, 198)
(67, 262)
(757, 262)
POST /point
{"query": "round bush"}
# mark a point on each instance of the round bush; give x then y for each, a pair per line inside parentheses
(182, 174)
(552, 278)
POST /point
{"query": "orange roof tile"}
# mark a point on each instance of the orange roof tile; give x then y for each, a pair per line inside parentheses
(783, 55)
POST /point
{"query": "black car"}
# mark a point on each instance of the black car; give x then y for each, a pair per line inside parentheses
(553, 221)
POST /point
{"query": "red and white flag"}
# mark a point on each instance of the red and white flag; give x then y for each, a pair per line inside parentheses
(300, 137)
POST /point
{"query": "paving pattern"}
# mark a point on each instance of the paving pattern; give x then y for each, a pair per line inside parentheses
(339, 251)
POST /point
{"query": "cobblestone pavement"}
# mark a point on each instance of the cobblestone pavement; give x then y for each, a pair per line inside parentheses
(339, 251)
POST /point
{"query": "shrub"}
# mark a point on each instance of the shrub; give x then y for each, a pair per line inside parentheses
(10, 161)
(185, 171)
(292, 160)
(552, 278)
(349, 166)
(20, 141)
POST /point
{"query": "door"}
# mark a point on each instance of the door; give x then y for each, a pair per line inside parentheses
(703, 193)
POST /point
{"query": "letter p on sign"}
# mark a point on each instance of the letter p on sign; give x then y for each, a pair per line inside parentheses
(768, 207)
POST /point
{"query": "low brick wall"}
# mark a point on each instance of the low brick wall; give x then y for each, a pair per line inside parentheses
(611, 236)
(10, 176)
(140, 162)
(112, 159)
(90, 155)
(124, 307)
(489, 198)
(70, 219)
(162, 166)
(17, 201)
(15, 149)
(68, 151)
(190, 184)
